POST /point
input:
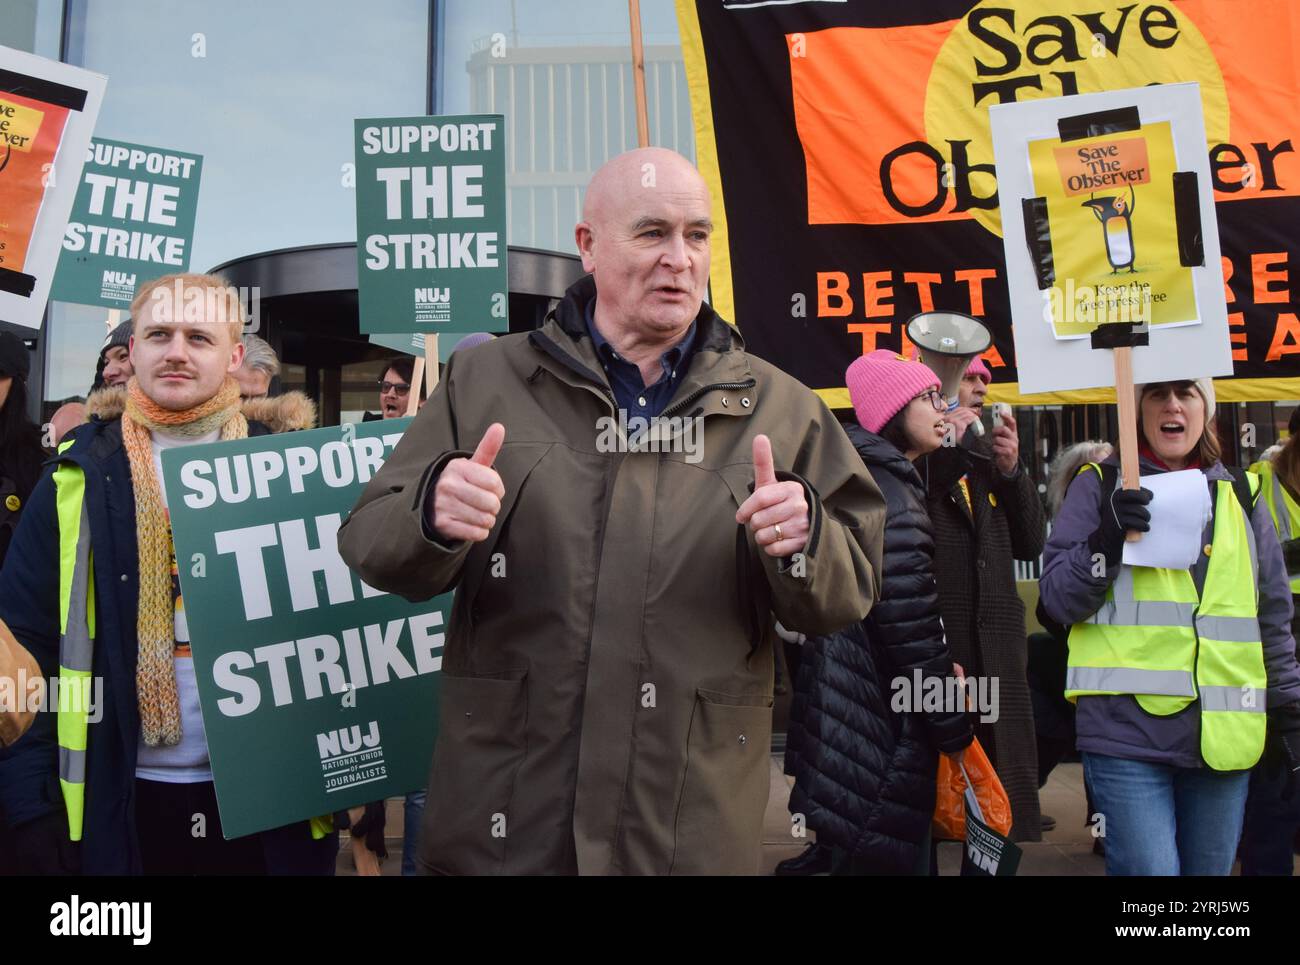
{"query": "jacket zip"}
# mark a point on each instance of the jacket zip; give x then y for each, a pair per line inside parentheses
(683, 403)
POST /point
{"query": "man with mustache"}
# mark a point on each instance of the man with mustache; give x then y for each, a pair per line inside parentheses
(607, 680)
(90, 588)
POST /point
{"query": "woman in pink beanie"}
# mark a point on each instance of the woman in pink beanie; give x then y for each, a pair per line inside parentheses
(863, 753)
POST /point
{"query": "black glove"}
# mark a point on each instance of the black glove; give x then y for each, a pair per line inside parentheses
(1282, 747)
(42, 847)
(371, 829)
(1125, 510)
(1291, 557)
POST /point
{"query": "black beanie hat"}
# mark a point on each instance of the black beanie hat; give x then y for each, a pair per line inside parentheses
(14, 358)
(119, 337)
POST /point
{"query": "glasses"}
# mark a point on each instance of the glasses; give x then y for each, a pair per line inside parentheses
(401, 388)
(938, 401)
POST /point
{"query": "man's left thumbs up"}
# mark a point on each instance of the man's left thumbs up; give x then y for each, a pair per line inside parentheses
(777, 512)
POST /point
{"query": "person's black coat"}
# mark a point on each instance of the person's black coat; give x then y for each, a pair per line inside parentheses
(976, 544)
(865, 772)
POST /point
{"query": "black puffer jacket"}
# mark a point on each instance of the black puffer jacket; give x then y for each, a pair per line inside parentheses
(864, 773)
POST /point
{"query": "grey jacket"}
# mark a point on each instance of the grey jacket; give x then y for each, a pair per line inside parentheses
(1117, 726)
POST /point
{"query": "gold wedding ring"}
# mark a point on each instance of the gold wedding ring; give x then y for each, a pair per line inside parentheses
(777, 527)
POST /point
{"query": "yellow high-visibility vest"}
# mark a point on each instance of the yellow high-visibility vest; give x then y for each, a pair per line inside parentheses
(77, 645)
(1283, 509)
(76, 637)
(1155, 639)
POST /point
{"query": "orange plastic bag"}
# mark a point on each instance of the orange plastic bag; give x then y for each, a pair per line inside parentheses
(949, 805)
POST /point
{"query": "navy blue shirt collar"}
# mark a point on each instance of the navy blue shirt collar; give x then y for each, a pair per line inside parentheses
(672, 358)
(630, 391)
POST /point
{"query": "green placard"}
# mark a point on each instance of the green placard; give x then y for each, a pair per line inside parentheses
(133, 221)
(318, 692)
(431, 224)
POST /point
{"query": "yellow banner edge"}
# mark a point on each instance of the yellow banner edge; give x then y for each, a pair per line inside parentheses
(706, 155)
(1225, 390)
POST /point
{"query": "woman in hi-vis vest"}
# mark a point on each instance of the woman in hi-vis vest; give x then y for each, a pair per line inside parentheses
(1180, 677)
(1273, 808)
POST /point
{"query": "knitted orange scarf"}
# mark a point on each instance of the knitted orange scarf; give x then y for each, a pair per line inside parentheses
(155, 676)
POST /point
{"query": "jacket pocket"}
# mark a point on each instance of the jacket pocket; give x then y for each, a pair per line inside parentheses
(724, 790)
(481, 743)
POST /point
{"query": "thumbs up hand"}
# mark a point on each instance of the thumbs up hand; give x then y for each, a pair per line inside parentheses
(777, 512)
(468, 493)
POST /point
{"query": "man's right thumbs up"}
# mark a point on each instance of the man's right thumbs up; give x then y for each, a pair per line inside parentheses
(489, 445)
(764, 465)
(468, 493)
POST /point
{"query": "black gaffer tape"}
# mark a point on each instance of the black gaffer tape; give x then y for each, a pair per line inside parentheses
(1119, 334)
(1098, 123)
(1038, 237)
(1187, 215)
(16, 283)
(47, 91)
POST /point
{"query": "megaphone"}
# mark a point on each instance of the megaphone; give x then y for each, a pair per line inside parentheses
(947, 341)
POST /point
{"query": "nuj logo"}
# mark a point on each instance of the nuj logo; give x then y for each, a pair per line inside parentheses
(121, 279)
(432, 296)
(346, 740)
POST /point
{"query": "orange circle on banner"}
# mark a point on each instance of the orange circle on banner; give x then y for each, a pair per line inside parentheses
(1032, 49)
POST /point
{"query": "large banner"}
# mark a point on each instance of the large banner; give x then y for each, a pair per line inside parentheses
(133, 221)
(431, 224)
(849, 149)
(318, 692)
(47, 113)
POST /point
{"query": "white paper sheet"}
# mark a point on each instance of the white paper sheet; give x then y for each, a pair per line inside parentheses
(1180, 510)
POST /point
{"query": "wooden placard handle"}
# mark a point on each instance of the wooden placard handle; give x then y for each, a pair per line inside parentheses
(638, 74)
(431, 360)
(417, 380)
(1130, 471)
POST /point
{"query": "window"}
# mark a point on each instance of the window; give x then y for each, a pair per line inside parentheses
(266, 92)
(33, 26)
(561, 72)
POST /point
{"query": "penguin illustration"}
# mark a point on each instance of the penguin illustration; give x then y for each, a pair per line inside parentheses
(1116, 217)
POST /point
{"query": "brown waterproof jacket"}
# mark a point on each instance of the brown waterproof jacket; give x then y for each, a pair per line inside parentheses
(607, 680)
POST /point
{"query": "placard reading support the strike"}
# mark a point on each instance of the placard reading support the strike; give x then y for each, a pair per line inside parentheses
(318, 692)
(133, 221)
(431, 224)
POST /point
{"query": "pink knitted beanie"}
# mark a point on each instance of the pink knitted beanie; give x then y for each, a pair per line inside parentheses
(977, 367)
(882, 383)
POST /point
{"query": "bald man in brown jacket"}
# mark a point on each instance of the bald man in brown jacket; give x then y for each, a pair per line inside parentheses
(622, 498)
